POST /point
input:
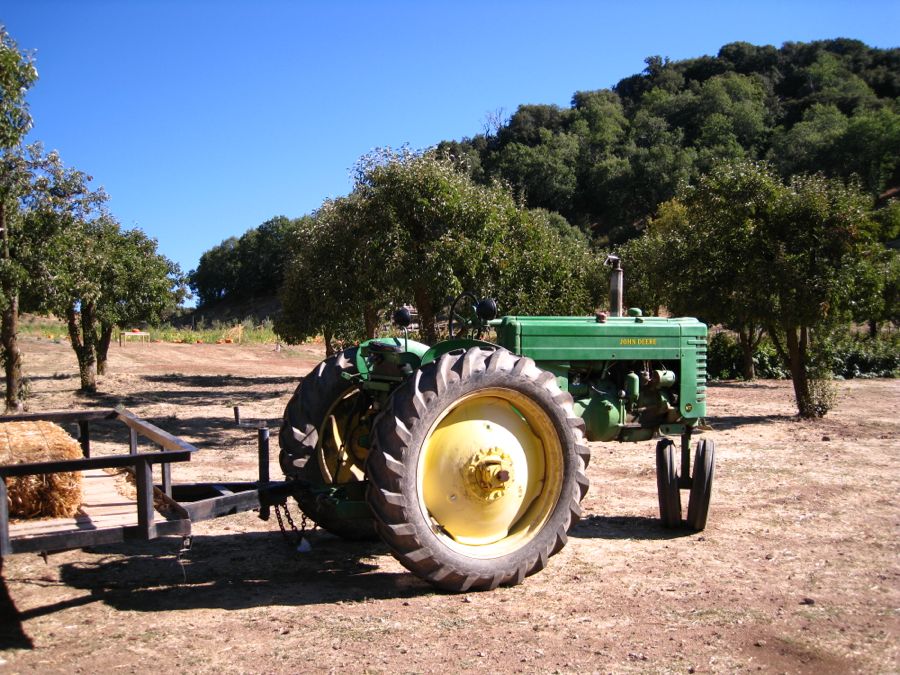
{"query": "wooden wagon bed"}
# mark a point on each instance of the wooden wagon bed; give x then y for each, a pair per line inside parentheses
(105, 516)
(108, 517)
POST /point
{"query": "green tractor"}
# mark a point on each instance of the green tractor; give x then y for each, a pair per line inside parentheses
(468, 457)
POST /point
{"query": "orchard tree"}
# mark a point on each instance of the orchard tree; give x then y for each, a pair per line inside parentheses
(138, 285)
(820, 243)
(45, 198)
(417, 230)
(100, 277)
(544, 266)
(695, 257)
(744, 249)
(325, 284)
(73, 291)
(431, 230)
(17, 74)
(15, 183)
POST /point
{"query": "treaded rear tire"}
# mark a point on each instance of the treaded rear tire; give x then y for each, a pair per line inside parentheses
(303, 416)
(414, 412)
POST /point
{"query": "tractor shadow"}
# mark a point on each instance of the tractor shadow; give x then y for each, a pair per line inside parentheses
(736, 421)
(191, 390)
(625, 527)
(236, 571)
(12, 635)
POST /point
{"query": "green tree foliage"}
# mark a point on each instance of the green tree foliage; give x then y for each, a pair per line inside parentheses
(326, 288)
(40, 198)
(138, 285)
(745, 249)
(434, 230)
(100, 277)
(246, 267)
(415, 229)
(17, 74)
(613, 156)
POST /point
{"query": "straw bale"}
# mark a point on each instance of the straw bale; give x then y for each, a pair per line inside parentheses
(56, 495)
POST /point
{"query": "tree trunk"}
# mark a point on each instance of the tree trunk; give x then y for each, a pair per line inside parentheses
(328, 336)
(9, 331)
(106, 332)
(797, 339)
(749, 342)
(873, 328)
(370, 319)
(426, 315)
(84, 343)
(12, 356)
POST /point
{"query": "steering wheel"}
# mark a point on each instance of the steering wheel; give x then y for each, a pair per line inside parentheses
(462, 313)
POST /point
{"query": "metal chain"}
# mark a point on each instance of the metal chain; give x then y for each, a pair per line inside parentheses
(186, 543)
(297, 532)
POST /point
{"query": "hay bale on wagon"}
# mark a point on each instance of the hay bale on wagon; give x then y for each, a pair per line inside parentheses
(56, 495)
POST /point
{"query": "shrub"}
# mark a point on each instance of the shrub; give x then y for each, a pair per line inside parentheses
(724, 359)
(863, 356)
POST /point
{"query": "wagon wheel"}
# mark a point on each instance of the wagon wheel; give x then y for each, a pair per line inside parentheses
(701, 484)
(667, 484)
(462, 314)
(319, 441)
(477, 470)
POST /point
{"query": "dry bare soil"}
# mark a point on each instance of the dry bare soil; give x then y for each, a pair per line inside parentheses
(797, 571)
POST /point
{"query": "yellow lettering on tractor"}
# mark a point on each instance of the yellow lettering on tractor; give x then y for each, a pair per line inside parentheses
(637, 341)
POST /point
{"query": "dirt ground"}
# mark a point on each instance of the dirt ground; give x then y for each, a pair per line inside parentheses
(797, 571)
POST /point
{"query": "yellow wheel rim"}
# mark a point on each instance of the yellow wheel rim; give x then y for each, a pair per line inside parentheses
(340, 456)
(490, 472)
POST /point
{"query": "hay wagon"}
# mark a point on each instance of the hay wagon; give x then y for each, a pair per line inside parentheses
(157, 508)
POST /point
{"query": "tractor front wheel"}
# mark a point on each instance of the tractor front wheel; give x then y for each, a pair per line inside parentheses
(477, 470)
(667, 484)
(701, 484)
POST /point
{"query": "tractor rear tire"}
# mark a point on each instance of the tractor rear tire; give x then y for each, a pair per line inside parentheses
(477, 470)
(667, 484)
(303, 418)
(701, 484)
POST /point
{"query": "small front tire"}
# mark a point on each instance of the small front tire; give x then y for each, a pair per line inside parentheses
(667, 488)
(701, 484)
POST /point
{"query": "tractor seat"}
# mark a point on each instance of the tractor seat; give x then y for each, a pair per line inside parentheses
(384, 348)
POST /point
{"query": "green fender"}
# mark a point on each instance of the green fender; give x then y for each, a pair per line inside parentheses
(413, 353)
(448, 346)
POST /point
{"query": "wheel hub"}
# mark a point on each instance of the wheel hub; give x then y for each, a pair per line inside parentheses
(484, 467)
(488, 474)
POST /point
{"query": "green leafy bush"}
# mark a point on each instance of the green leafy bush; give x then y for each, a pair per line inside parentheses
(842, 355)
(724, 358)
(862, 356)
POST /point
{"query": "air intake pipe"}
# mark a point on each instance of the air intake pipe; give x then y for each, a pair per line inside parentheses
(616, 284)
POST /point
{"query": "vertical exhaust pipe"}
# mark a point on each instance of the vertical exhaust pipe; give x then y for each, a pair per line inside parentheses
(616, 284)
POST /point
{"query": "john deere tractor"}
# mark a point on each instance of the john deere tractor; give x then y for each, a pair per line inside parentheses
(468, 457)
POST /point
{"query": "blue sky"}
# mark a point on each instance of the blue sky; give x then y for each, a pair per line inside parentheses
(202, 119)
